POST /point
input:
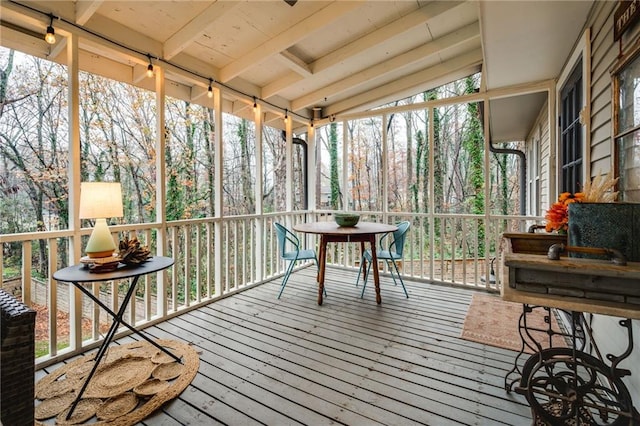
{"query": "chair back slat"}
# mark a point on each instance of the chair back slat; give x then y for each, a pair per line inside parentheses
(399, 236)
(284, 236)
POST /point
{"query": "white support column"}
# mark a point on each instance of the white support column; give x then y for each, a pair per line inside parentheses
(311, 168)
(217, 137)
(345, 168)
(487, 192)
(161, 191)
(289, 171)
(258, 262)
(75, 247)
(432, 203)
(385, 166)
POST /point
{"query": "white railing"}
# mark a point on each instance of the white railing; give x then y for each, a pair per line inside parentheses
(217, 257)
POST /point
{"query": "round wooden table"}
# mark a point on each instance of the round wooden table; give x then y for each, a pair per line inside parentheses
(330, 232)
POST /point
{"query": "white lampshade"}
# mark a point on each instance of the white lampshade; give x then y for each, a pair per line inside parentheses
(100, 200)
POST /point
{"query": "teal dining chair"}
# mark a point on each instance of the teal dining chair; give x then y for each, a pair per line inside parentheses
(289, 248)
(390, 253)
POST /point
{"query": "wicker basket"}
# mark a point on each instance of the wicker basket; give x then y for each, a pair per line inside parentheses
(17, 356)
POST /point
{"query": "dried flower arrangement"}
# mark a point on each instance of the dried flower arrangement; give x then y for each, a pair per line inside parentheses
(599, 190)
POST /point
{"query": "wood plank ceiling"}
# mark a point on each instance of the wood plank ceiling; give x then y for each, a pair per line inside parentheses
(335, 56)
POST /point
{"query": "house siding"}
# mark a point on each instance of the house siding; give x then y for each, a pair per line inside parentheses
(540, 134)
(611, 338)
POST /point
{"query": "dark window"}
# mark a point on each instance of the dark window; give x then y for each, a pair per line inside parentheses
(628, 130)
(571, 132)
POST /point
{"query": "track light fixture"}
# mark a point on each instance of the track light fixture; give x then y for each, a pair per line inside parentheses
(210, 89)
(255, 105)
(286, 115)
(50, 36)
(149, 68)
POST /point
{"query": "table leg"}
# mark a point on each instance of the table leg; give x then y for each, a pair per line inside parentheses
(321, 268)
(374, 264)
(117, 320)
(130, 327)
(364, 262)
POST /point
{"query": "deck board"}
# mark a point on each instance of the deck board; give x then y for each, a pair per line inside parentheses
(349, 361)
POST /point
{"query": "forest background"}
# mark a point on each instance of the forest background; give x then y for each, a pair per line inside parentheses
(118, 143)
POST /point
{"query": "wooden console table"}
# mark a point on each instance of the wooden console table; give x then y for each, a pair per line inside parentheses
(568, 385)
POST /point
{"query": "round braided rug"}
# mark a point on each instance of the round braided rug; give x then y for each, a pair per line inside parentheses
(130, 366)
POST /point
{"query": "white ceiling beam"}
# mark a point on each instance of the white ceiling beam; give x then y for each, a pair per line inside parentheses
(116, 36)
(196, 27)
(369, 41)
(296, 64)
(30, 43)
(395, 28)
(411, 82)
(58, 48)
(468, 34)
(138, 73)
(198, 92)
(288, 38)
(86, 9)
(277, 86)
(27, 17)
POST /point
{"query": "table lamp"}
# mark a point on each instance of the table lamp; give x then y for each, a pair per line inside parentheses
(100, 200)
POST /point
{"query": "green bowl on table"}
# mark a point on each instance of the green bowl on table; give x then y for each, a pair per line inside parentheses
(346, 219)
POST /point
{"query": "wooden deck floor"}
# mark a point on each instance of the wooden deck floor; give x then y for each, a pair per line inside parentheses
(349, 361)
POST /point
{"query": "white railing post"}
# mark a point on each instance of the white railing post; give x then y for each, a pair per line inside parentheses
(52, 296)
(198, 263)
(26, 272)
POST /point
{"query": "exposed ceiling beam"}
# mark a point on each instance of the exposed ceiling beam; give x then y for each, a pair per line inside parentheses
(369, 41)
(411, 82)
(295, 63)
(288, 38)
(470, 33)
(85, 10)
(138, 73)
(117, 36)
(58, 48)
(23, 40)
(196, 27)
(277, 86)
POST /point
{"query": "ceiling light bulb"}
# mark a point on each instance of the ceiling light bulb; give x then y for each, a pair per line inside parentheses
(255, 105)
(150, 70)
(286, 115)
(50, 37)
(210, 92)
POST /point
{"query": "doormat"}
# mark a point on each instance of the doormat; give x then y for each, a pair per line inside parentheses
(493, 321)
(131, 382)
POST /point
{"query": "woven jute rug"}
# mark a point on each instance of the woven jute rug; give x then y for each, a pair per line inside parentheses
(493, 321)
(131, 382)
